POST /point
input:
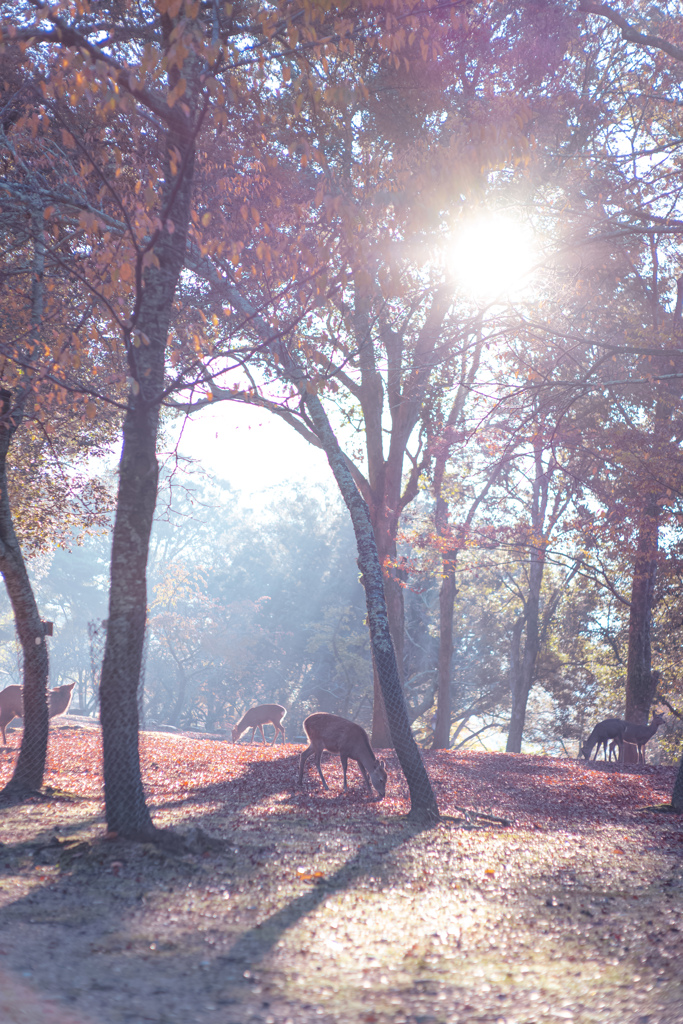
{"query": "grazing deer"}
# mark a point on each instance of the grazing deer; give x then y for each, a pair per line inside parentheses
(349, 740)
(12, 705)
(640, 734)
(256, 718)
(610, 729)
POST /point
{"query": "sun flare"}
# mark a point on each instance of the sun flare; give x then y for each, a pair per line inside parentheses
(491, 258)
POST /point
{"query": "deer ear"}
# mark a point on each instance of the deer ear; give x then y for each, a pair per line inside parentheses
(381, 764)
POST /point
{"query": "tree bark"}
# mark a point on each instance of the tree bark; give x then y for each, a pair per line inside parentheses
(523, 679)
(519, 697)
(639, 687)
(677, 795)
(29, 769)
(423, 806)
(126, 811)
(442, 727)
(522, 669)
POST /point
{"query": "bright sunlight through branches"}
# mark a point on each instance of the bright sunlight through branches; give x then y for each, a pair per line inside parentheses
(491, 258)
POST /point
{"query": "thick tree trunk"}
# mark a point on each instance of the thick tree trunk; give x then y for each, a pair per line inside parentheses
(28, 772)
(423, 807)
(639, 685)
(381, 733)
(126, 810)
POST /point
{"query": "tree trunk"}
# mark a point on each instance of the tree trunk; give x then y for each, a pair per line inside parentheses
(518, 697)
(677, 795)
(126, 810)
(442, 727)
(522, 672)
(29, 769)
(639, 686)
(423, 807)
(393, 595)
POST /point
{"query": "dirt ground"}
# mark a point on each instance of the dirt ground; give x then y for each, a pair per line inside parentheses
(321, 907)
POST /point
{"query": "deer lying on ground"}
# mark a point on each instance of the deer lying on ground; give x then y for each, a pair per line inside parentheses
(349, 740)
(640, 734)
(12, 705)
(256, 718)
(610, 729)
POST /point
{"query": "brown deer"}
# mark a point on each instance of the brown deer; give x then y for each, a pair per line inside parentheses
(256, 718)
(12, 705)
(58, 700)
(349, 740)
(610, 729)
(640, 734)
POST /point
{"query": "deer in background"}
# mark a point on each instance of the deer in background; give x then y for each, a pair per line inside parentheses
(640, 734)
(610, 729)
(349, 740)
(256, 718)
(12, 705)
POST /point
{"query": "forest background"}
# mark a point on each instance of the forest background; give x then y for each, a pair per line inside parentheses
(457, 231)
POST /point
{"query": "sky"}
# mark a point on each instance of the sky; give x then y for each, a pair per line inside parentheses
(250, 448)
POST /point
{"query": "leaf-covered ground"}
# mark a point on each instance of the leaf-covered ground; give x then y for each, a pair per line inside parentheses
(328, 908)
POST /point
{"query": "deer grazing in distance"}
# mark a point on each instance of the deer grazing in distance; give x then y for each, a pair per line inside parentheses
(640, 734)
(255, 718)
(610, 729)
(349, 740)
(12, 705)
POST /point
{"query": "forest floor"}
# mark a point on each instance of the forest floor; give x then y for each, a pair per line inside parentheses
(325, 907)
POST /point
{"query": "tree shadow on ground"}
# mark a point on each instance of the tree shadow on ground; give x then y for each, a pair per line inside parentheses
(261, 780)
(544, 792)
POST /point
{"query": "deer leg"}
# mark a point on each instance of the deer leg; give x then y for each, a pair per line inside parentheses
(345, 764)
(252, 734)
(302, 763)
(318, 755)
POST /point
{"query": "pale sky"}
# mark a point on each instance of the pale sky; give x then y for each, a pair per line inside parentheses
(251, 449)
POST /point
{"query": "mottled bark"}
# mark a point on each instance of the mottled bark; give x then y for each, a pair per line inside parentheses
(30, 766)
(126, 810)
(388, 493)
(639, 683)
(423, 807)
(393, 594)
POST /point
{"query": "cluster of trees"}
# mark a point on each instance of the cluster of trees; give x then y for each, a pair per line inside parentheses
(243, 608)
(254, 203)
(263, 604)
